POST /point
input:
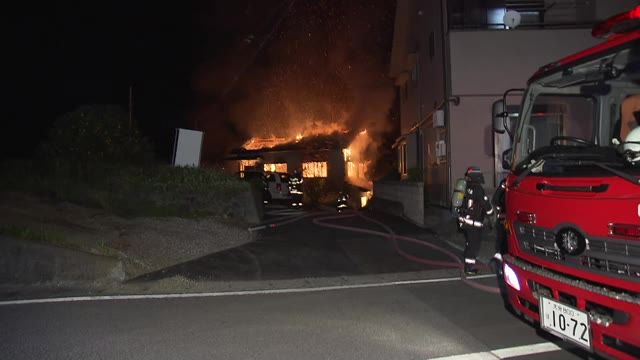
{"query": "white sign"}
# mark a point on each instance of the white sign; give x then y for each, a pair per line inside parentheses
(187, 146)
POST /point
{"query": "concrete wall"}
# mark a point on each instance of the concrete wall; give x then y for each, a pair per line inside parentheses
(409, 194)
(29, 262)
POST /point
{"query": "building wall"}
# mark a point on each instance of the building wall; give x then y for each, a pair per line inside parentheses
(433, 95)
(475, 66)
(295, 158)
(292, 158)
(607, 8)
(483, 65)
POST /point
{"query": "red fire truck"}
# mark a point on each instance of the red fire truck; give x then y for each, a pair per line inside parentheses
(573, 195)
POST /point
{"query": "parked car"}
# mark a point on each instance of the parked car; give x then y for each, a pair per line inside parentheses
(277, 185)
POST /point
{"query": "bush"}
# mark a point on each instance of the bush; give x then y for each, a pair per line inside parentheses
(94, 134)
(170, 191)
(126, 190)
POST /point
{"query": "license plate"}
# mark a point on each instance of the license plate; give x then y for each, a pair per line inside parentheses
(565, 321)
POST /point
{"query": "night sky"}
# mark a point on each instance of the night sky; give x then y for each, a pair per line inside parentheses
(230, 68)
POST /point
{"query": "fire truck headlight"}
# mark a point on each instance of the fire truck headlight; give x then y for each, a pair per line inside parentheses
(510, 277)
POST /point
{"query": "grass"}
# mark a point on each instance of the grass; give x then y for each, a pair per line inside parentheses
(40, 234)
(48, 236)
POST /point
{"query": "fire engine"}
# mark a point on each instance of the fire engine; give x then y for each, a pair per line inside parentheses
(573, 195)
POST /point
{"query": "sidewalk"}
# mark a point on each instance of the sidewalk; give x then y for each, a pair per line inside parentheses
(440, 221)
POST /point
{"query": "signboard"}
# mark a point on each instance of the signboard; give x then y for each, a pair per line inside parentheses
(187, 146)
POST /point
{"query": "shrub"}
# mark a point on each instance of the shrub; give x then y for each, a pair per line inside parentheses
(94, 134)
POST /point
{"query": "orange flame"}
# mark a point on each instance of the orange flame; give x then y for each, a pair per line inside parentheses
(357, 162)
(311, 128)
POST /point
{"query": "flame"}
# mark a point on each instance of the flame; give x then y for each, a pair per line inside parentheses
(357, 161)
(314, 169)
(256, 143)
(347, 154)
(365, 197)
(309, 129)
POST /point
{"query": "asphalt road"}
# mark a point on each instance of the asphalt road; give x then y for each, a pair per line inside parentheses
(302, 249)
(395, 322)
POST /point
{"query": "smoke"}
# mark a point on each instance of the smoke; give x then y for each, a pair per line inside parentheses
(326, 62)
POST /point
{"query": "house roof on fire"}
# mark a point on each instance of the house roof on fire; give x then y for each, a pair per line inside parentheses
(335, 141)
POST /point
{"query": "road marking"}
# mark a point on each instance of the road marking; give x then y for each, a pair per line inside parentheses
(506, 352)
(237, 293)
(526, 350)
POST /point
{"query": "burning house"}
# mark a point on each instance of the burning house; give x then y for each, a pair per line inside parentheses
(335, 156)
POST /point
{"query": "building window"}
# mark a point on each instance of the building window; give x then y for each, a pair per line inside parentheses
(245, 164)
(315, 169)
(402, 161)
(357, 170)
(279, 167)
(432, 46)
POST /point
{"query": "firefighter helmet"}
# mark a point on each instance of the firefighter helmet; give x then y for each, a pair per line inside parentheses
(474, 174)
(631, 146)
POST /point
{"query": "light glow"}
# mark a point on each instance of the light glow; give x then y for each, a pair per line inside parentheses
(314, 169)
(347, 154)
(244, 164)
(510, 277)
(279, 167)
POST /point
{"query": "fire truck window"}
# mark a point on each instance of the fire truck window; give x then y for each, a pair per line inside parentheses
(560, 115)
(629, 106)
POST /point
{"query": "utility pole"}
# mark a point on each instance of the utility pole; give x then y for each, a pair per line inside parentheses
(130, 108)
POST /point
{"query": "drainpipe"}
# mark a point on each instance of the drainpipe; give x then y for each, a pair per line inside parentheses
(446, 76)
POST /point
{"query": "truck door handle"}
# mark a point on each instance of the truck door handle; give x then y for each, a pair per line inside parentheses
(588, 188)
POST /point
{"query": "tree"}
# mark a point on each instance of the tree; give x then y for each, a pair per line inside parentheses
(95, 134)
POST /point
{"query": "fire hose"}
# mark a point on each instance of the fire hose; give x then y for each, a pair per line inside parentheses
(281, 221)
(394, 238)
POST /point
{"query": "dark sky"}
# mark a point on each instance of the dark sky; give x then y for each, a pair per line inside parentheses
(182, 59)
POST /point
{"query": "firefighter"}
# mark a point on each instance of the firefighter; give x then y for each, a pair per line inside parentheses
(498, 201)
(475, 208)
(342, 202)
(295, 189)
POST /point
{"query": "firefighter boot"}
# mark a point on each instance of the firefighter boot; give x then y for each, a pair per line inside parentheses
(470, 269)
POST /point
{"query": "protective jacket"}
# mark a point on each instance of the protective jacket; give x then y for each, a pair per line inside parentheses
(475, 207)
(295, 184)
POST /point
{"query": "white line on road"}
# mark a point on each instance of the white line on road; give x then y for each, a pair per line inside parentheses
(526, 350)
(236, 293)
(506, 352)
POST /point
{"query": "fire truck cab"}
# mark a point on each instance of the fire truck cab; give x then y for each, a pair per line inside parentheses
(573, 196)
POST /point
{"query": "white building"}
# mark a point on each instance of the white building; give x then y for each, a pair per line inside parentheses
(453, 59)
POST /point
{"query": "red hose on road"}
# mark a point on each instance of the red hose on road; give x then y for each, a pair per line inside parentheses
(282, 221)
(393, 237)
